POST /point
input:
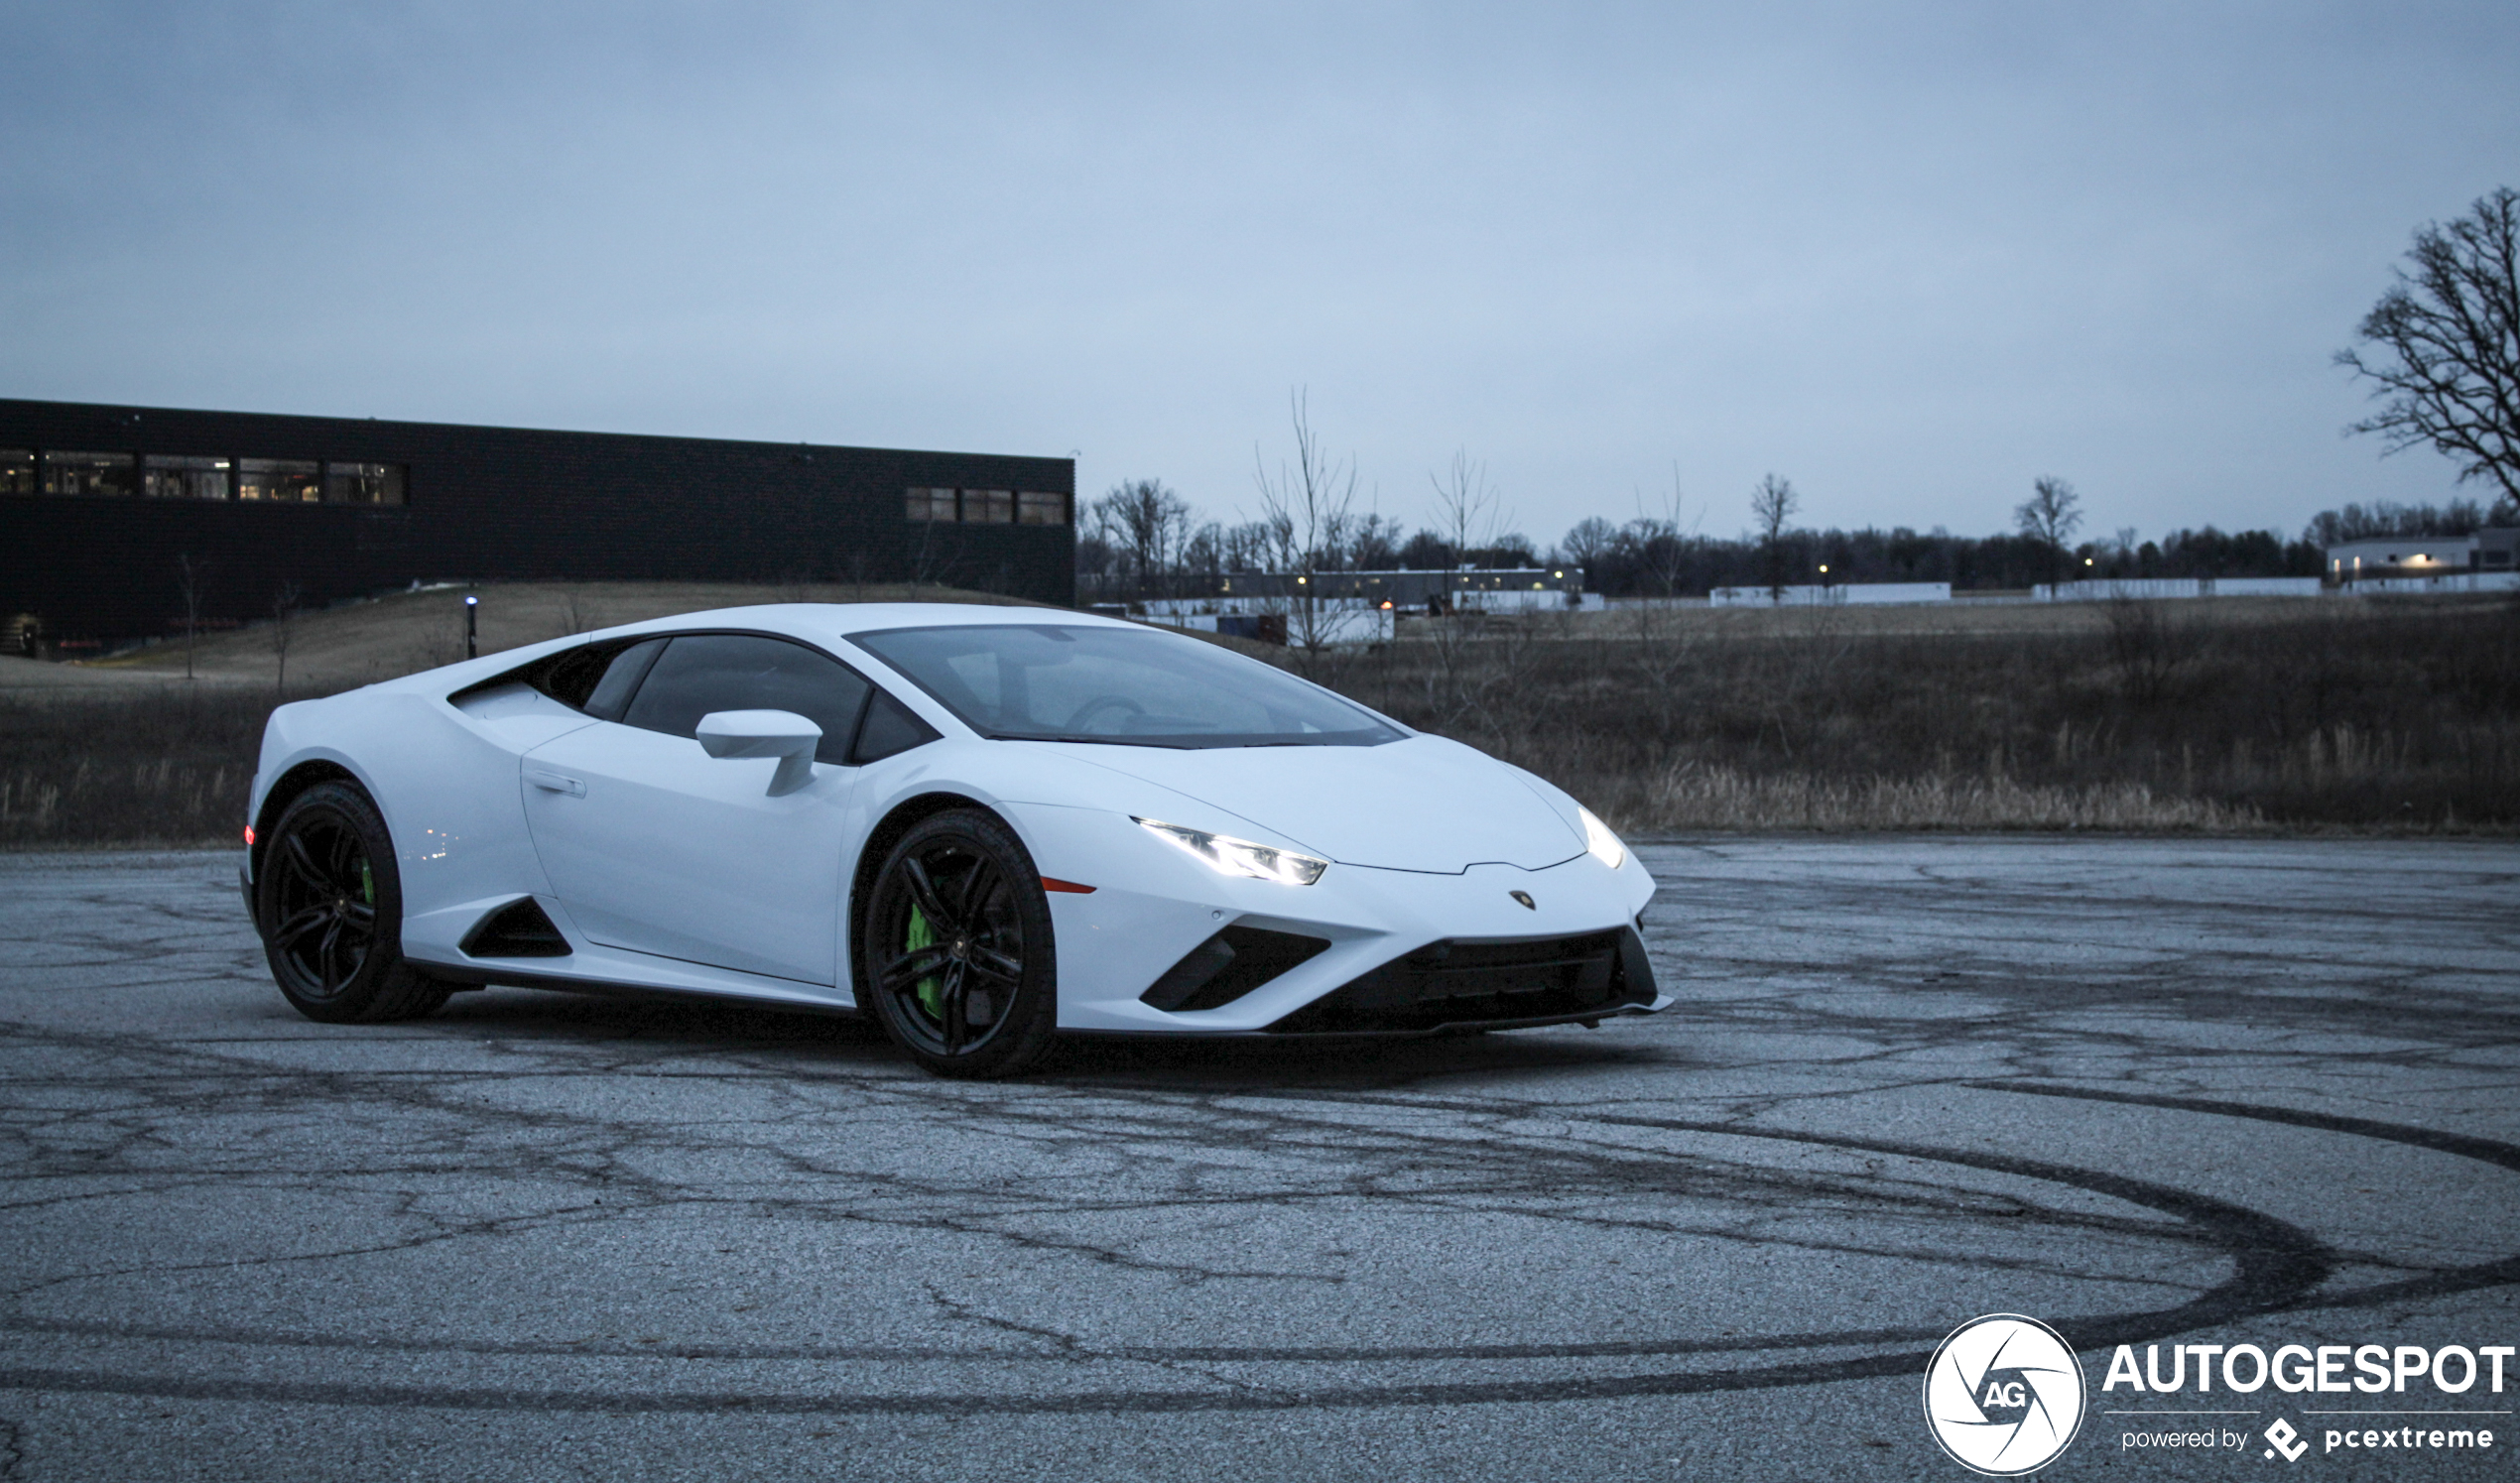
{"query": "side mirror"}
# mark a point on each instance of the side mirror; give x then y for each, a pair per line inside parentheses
(765, 733)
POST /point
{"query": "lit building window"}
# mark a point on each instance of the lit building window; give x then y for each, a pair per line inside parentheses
(932, 504)
(1036, 507)
(988, 506)
(183, 477)
(362, 484)
(88, 474)
(288, 480)
(17, 471)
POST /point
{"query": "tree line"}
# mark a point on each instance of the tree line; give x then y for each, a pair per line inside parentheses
(2441, 351)
(1143, 539)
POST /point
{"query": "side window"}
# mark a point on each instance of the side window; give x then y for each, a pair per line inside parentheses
(610, 691)
(698, 674)
(890, 729)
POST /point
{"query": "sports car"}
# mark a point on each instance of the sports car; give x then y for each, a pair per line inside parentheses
(982, 825)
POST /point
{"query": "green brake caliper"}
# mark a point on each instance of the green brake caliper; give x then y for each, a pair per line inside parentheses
(931, 992)
(367, 883)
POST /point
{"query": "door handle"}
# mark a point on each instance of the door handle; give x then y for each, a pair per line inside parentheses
(546, 778)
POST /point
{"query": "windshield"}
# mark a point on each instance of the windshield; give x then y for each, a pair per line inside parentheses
(1132, 686)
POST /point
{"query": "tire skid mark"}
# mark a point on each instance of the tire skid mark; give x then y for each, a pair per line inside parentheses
(2276, 1266)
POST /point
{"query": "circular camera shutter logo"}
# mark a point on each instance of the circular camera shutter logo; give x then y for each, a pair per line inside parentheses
(2004, 1395)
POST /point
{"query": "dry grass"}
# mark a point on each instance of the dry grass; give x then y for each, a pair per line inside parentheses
(157, 766)
(2228, 715)
(127, 752)
(2218, 715)
(1689, 796)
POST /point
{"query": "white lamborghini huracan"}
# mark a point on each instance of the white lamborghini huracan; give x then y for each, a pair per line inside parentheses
(981, 824)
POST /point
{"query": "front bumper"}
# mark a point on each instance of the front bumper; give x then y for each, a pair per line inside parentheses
(1152, 906)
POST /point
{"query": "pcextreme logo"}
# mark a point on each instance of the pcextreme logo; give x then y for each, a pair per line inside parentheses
(2004, 1395)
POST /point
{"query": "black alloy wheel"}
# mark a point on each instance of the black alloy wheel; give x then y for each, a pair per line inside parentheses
(328, 902)
(955, 951)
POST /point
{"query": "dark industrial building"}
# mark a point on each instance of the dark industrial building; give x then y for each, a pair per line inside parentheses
(106, 507)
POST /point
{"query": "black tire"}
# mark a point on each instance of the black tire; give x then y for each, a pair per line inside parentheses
(956, 943)
(328, 902)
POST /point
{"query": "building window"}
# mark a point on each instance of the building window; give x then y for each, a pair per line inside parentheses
(183, 477)
(988, 506)
(88, 474)
(362, 484)
(290, 480)
(17, 471)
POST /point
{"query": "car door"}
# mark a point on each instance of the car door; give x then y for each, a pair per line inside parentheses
(657, 847)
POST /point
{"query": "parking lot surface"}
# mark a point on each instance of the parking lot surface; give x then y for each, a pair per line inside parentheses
(2147, 1091)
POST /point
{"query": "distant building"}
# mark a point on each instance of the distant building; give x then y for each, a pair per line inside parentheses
(1483, 588)
(105, 506)
(1834, 594)
(2381, 558)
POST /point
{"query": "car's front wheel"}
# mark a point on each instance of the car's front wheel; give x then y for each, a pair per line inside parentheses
(956, 948)
(329, 900)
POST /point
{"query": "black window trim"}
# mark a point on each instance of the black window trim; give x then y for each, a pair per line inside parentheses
(1209, 741)
(529, 672)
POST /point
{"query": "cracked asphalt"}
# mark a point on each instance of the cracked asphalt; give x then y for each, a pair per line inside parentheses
(2145, 1090)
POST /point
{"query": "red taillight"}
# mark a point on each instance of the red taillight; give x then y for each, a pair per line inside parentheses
(249, 836)
(1052, 883)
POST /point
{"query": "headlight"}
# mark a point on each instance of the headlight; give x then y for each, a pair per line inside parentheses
(1231, 857)
(1599, 843)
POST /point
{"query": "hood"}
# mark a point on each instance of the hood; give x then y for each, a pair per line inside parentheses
(1418, 804)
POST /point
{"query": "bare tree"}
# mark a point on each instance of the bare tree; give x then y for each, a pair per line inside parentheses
(576, 614)
(1468, 512)
(284, 623)
(1591, 538)
(1374, 544)
(1149, 525)
(1662, 538)
(189, 578)
(1772, 506)
(1306, 507)
(2050, 517)
(1246, 546)
(2447, 339)
(936, 559)
(1659, 542)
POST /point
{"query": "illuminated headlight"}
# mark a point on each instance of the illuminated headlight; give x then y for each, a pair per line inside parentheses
(1599, 843)
(1231, 857)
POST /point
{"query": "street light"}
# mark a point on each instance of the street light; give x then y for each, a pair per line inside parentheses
(472, 639)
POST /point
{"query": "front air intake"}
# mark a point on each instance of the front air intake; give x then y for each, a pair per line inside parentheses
(519, 929)
(1464, 983)
(1227, 966)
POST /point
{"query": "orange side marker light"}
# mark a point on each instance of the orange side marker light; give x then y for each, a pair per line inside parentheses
(1052, 883)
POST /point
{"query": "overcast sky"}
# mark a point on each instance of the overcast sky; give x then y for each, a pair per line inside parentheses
(1910, 258)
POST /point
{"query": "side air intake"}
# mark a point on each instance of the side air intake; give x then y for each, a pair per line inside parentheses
(518, 929)
(1227, 966)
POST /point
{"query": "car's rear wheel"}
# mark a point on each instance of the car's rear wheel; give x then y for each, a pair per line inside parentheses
(956, 948)
(329, 901)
